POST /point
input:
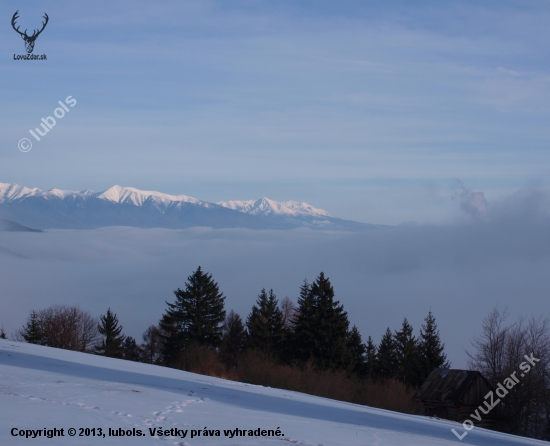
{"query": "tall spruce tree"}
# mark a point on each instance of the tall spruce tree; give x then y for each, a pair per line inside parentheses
(358, 352)
(196, 316)
(386, 358)
(32, 332)
(265, 325)
(234, 340)
(111, 344)
(370, 357)
(302, 338)
(407, 356)
(322, 326)
(430, 348)
(130, 350)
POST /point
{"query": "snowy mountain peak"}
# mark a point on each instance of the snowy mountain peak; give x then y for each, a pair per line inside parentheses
(118, 194)
(12, 191)
(266, 206)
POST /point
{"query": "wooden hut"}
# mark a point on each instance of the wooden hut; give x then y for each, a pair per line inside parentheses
(455, 394)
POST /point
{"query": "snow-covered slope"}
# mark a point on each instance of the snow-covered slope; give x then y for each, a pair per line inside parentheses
(128, 206)
(46, 388)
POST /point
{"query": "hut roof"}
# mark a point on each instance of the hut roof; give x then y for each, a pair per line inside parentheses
(448, 384)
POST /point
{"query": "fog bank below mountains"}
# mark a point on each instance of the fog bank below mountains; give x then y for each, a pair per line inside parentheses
(381, 276)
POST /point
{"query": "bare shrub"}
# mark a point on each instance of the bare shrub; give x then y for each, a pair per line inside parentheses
(289, 310)
(66, 327)
(152, 346)
(203, 360)
(256, 368)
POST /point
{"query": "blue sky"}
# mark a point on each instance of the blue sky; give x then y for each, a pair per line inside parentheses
(371, 110)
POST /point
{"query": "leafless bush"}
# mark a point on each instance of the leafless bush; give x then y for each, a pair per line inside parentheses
(152, 346)
(203, 360)
(67, 327)
(288, 309)
(256, 368)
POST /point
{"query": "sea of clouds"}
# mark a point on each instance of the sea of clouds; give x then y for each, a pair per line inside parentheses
(498, 255)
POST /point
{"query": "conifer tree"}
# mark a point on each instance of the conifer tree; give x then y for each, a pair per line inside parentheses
(265, 324)
(234, 339)
(32, 332)
(430, 347)
(196, 316)
(321, 330)
(358, 352)
(302, 338)
(370, 356)
(111, 344)
(2, 333)
(407, 357)
(130, 350)
(386, 359)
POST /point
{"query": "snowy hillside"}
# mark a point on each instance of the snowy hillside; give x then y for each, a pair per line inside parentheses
(45, 388)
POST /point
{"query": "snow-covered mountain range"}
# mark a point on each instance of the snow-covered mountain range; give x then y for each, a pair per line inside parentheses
(128, 206)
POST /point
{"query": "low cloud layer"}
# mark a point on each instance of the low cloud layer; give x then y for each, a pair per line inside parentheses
(381, 276)
(472, 203)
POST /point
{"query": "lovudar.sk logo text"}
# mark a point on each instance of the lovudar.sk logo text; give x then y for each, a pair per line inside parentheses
(49, 122)
(29, 40)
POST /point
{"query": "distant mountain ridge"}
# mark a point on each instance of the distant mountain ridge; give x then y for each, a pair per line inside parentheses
(128, 206)
(12, 226)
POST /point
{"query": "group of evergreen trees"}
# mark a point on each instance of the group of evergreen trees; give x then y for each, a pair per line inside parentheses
(113, 343)
(316, 333)
(404, 357)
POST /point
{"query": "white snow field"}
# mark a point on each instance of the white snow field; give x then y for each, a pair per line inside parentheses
(43, 388)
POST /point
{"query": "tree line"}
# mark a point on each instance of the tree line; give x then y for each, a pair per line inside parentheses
(310, 347)
(316, 331)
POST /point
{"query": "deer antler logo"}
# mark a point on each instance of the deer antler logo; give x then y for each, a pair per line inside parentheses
(29, 40)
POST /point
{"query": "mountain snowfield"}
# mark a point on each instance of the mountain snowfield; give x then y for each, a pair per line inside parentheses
(46, 388)
(128, 206)
(265, 206)
(131, 195)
